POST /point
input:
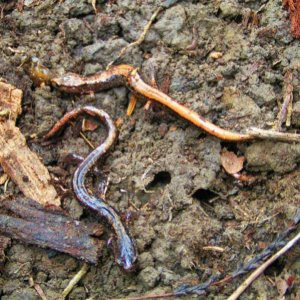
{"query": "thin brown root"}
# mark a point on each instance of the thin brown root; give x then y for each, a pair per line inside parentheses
(87, 140)
(263, 267)
(139, 40)
(37, 288)
(287, 105)
(74, 281)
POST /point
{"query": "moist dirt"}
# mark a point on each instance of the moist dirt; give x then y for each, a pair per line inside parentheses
(163, 172)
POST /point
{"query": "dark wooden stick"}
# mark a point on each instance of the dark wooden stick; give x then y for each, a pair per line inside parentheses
(32, 224)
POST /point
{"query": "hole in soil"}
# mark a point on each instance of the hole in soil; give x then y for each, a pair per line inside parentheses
(204, 195)
(238, 19)
(276, 268)
(160, 179)
(230, 146)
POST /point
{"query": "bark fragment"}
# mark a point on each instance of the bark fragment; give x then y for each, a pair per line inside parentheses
(29, 222)
(17, 160)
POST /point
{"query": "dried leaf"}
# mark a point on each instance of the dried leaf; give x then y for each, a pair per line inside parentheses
(88, 125)
(119, 122)
(231, 163)
(290, 280)
(215, 55)
(94, 5)
(3, 178)
(281, 286)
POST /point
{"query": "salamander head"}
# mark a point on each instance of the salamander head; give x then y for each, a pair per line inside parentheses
(36, 71)
(125, 252)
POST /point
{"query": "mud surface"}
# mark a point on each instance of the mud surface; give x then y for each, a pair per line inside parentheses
(163, 170)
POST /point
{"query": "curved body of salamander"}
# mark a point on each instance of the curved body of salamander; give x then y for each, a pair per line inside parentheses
(127, 75)
(140, 87)
(78, 84)
(125, 253)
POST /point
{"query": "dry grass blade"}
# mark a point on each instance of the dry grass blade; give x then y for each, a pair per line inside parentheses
(140, 39)
(286, 108)
(263, 267)
(74, 281)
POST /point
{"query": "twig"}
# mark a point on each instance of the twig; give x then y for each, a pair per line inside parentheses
(140, 39)
(193, 44)
(74, 281)
(87, 140)
(40, 292)
(263, 267)
(286, 108)
(258, 133)
(37, 288)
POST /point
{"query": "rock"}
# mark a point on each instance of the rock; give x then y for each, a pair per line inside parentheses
(262, 94)
(26, 293)
(105, 26)
(10, 285)
(76, 32)
(271, 156)
(146, 260)
(46, 110)
(229, 70)
(167, 276)
(292, 55)
(223, 211)
(171, 26)
(235, 99)
(75, 9)
(51, 294)
(105, 51)
(233, 235)
(276, 17)
(78, 293)
(74, 208)
(148, 277)
(144, 232)
(41, 277)
(270, 77)
(229, 8)
(160, 249)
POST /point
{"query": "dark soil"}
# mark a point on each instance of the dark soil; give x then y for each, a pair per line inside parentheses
(163, 169)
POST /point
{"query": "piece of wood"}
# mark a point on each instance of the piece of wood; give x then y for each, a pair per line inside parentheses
(24, 167)
(31, 223)
(10, 99)
(21, 164)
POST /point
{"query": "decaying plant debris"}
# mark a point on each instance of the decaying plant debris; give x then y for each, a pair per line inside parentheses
(21, 164)
(29, 222)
